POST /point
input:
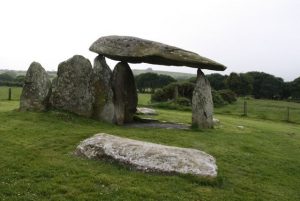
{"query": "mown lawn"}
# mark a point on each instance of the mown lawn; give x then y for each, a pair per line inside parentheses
(259, 162)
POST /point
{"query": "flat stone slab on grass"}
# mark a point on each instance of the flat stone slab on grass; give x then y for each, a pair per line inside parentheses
(148, 156)
(158, 124)
(146, 111)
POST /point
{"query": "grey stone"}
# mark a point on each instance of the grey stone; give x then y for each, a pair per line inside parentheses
(103, 107)
(216, 121)
(137, 50)
(148, 156)
(73, 90)
(202, 103)
(125, 95)
(241, 127)
(146, 111)
(36, 90)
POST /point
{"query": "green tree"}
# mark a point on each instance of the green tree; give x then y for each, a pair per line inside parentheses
(241, 84)
(20, 79)
(152, 81)
(5, 77)
(217, 81)
(295, 88)
(266, 85)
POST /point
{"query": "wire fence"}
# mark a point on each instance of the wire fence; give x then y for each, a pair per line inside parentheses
(10, 93)
(264, 109)
(253, 108)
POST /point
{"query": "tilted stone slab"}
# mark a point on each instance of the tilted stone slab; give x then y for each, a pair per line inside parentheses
(136, 50)
(148, 156)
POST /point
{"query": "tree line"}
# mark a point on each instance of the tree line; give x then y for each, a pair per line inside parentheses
(11, 79)
(257, 84)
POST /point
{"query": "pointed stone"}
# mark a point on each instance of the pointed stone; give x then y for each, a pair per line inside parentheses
(202, 103)
(124, 88)
(36, 90)
(73, 90)
(103, 107)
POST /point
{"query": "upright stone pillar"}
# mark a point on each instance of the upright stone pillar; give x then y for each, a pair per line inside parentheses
(125, 95)
(72, 90)
(36, 90)
(202, 103)
(103, 106)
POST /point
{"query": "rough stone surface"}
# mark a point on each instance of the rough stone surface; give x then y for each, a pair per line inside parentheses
(125, 95)
(36, 90)
(137, 50)
(146, 111)
(73, 90)
(148, 156)
(202, 103)
(103, 107)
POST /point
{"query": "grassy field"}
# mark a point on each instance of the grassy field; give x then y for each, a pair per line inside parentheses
(15, 93)
(259, 162)
(264, 109)
(256, 108)
(260, 109)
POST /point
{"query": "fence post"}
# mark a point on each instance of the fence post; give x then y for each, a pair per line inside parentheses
(245, 108)
(9, 93)
(288, 114)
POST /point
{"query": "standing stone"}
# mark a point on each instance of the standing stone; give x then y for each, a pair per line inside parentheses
(202, 103)
(103, 107)
(36, 90)
(124, 88)
(73, 90)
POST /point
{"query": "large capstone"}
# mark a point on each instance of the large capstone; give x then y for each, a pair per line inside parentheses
(103, 107)
(36, 90)
(136, 50)
(125, 95)
(202, 103)
(73, 90)
(148, 156)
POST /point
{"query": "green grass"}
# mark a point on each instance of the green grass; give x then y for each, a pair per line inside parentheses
(263, 109)
(144, 99)
(258, 109)
(15, 93)
(260, 162)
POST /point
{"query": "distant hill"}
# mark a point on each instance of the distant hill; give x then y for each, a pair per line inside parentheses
(176, 75)
(52, 74)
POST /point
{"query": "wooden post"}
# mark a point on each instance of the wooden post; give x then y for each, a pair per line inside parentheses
(9, 93)
(288, 114)
(245, 108)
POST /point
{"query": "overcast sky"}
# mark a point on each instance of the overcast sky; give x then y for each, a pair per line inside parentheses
(244, 35)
